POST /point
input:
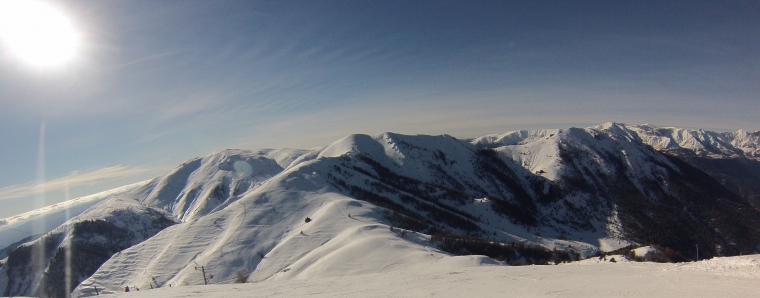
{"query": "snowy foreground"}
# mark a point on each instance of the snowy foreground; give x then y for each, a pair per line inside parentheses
(719, 277)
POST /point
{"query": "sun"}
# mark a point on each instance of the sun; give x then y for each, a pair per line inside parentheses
(37, 32)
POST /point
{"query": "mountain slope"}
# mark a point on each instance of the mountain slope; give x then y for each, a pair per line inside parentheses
(124, 219)
(266, 231)
(367, 204)
(732, 158)
(598, 188)
(696, 142)
(40, 221)
(55, 263)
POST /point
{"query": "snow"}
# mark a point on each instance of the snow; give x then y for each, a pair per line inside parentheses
(645, 250)
(203, 185)
(283, 157)
(353, 143)
(748, 267)
(261, 230)
(539, 154)
(43, 220)
(611, 243)
(515, 137)
(241, 210)
(461, 277)
(535, 150)
(702, 142)
(331, 244)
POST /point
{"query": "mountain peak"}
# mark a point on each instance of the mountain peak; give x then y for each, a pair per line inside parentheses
(365, 204)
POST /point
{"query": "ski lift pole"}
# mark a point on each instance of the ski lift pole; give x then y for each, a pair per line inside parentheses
(205, 281)
(203, 270)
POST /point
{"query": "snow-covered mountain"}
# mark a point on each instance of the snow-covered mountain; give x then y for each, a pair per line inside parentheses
(368, 204)
(732, 158)
(699, 142)
(30, 225)
(52, 265)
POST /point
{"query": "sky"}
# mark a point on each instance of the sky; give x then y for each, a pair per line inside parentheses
(154, 83)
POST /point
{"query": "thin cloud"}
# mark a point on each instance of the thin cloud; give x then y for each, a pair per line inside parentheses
(144, 59)
(73, 180)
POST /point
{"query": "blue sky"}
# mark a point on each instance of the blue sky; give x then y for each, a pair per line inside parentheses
(158, 82)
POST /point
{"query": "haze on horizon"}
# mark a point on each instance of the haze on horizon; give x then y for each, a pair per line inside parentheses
(154, 83)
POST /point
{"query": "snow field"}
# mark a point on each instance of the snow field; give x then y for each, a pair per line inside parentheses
(461, 277)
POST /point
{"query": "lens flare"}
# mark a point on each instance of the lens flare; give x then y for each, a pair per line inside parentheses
(67, 270)
(243, 168)
(39, 199)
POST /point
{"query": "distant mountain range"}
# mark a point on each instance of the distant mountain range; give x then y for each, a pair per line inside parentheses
(367, 204)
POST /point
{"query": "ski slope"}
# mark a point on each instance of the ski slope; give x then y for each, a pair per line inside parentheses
(719, 277)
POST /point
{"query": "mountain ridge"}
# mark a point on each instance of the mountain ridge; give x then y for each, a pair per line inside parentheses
(379, 198)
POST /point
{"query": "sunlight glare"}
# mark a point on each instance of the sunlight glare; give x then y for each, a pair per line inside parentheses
(37, 33)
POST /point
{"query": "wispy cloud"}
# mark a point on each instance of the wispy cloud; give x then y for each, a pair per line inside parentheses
(145, 59)
(73, 180)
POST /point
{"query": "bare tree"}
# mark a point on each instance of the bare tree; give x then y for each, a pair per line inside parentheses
(241, 277)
